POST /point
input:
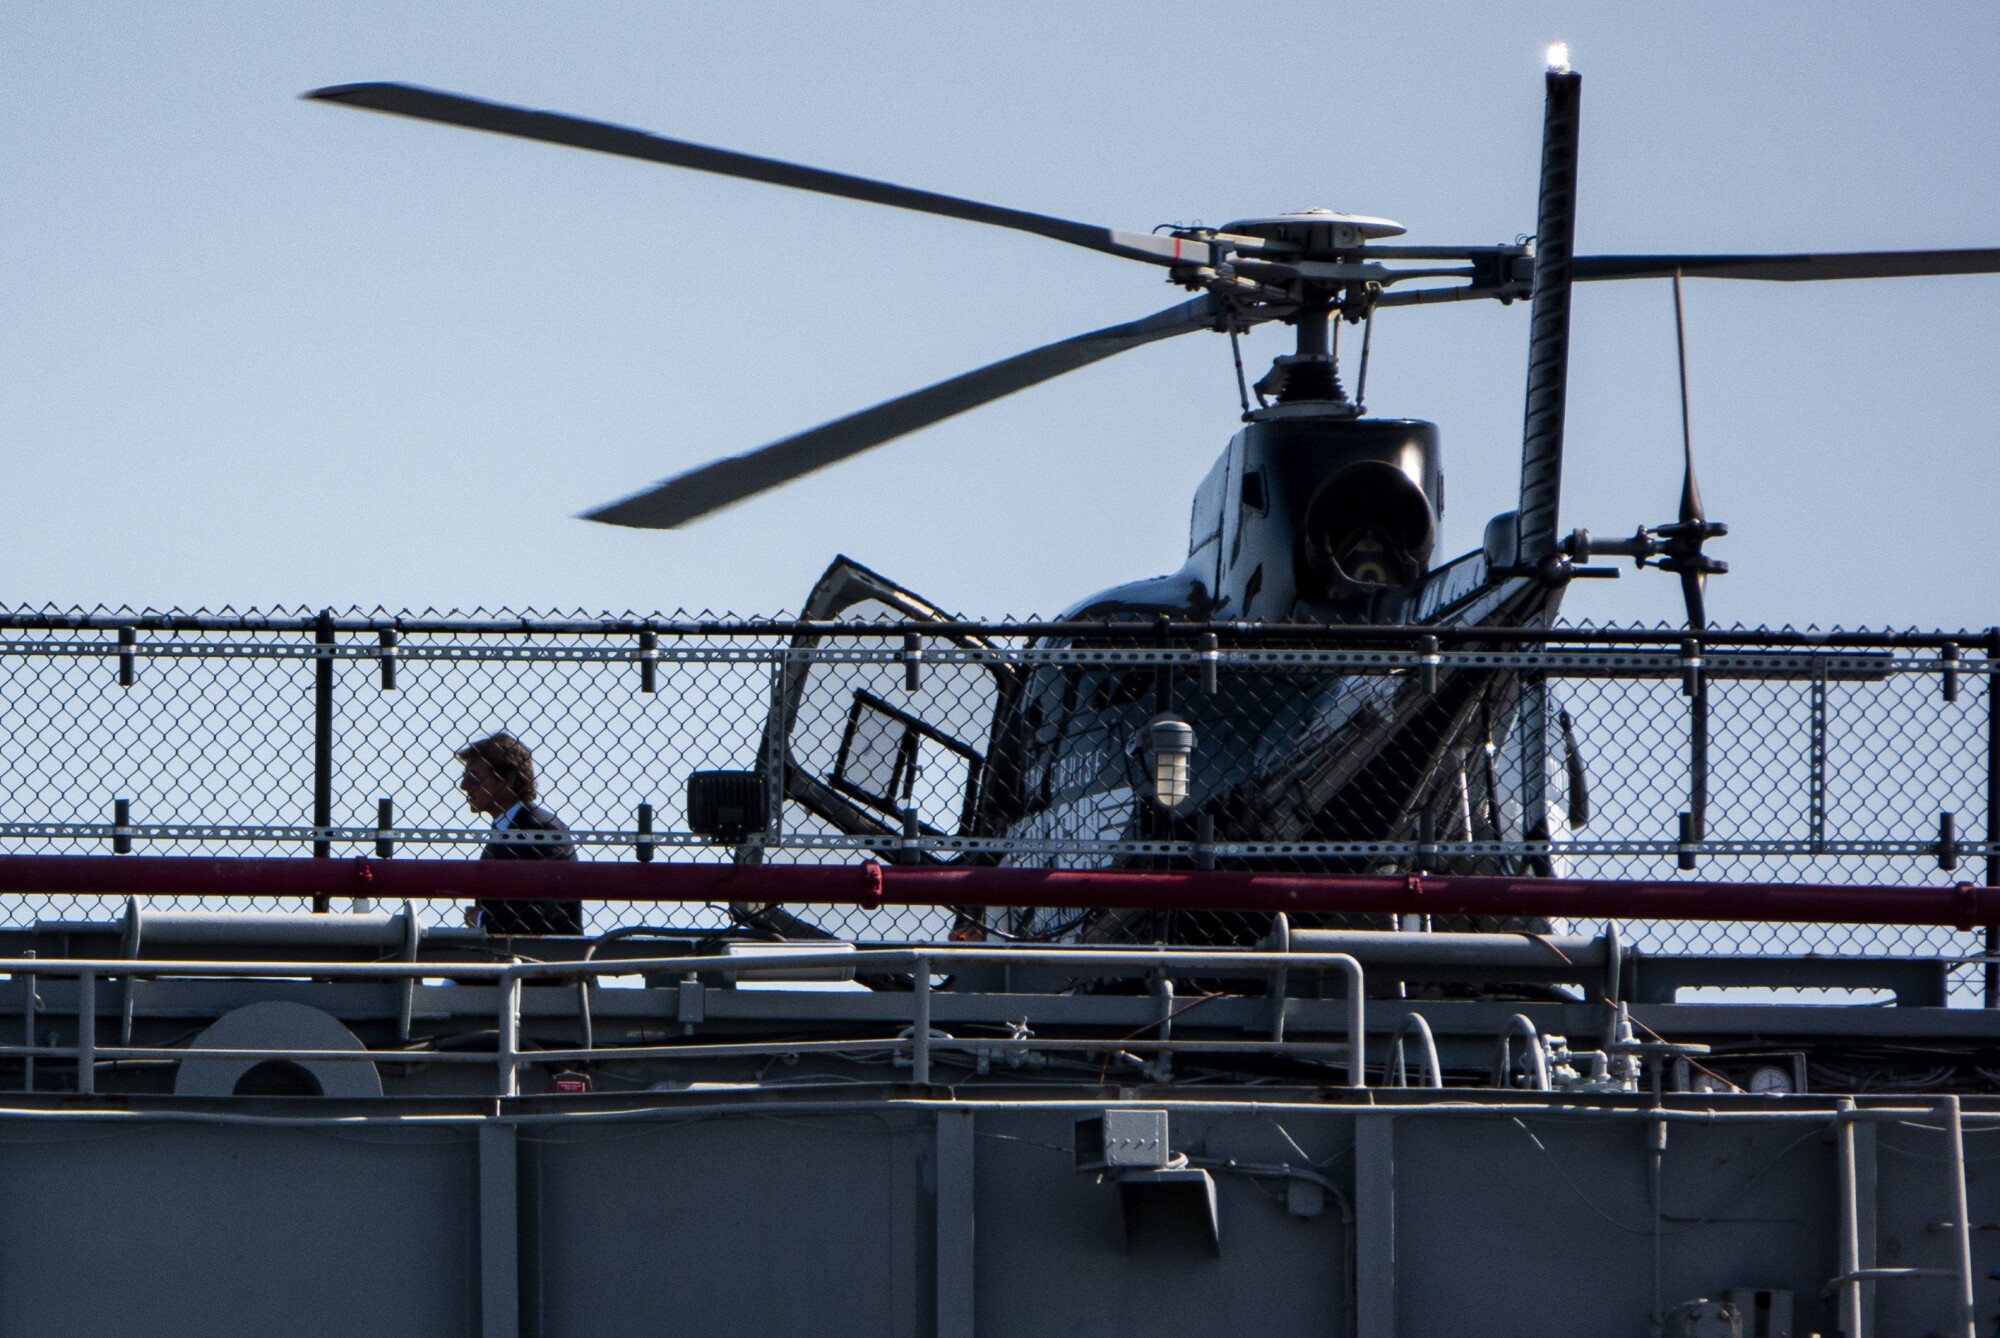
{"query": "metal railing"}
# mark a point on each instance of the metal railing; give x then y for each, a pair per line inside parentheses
(1867, 758)
(920, 1041)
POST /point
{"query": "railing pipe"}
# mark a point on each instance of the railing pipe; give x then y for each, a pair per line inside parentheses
(31, 1005)
(920, 1024)
(871, 885)
(1849, 1224)
(507, 1048)
(86, 1031)
(1966, 1323)
(509, 978)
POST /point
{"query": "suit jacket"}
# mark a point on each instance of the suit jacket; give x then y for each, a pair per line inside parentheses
(531, 917)
(530, 818)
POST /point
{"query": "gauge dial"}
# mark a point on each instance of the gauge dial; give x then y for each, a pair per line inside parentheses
(1770, 1080)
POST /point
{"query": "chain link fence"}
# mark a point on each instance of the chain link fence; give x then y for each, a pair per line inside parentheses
(1588, 752)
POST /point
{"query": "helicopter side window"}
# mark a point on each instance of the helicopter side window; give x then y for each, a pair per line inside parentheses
(1253, 491)
(884, 755)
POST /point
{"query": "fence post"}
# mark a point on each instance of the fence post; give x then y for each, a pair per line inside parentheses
(322, 814)
(1992, 968)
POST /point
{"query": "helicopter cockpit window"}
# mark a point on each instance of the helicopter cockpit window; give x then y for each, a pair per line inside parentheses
(898, 764)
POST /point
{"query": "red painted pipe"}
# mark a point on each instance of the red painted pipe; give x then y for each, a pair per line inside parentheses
(870, 885)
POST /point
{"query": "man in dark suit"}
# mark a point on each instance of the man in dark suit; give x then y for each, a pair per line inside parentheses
(499, 782)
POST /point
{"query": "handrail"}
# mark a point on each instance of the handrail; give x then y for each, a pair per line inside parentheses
(510, 976)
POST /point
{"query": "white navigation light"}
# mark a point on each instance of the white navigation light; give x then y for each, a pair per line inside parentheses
(1558, 57)
(1170, 744)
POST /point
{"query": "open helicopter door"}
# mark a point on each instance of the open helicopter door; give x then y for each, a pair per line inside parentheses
(879, 736)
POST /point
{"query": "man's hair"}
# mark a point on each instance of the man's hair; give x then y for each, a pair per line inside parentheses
(510, 760)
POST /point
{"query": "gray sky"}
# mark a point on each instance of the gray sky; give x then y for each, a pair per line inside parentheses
(255, 351)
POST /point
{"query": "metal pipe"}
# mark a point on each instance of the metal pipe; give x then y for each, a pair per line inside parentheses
(243, 929)
(1388, 946)
(31, 1001)
(1280, 940)
(1376, 1108)
(1961, 1217)
(779, 631)
(920, 1023)
(507, 1048)
(1137, 961)
(872, 885)
(1422, 1026)
(1503, 1053)
(1357, 1026)
(86, 1032)
(1850, 1222)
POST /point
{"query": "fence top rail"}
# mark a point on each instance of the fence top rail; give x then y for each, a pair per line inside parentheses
(1123, 631)
(1597, 660)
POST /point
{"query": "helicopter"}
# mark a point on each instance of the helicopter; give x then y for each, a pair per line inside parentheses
(1314, 514)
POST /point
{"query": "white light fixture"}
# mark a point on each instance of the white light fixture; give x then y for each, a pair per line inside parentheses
(1558, 57)
(1170, 752)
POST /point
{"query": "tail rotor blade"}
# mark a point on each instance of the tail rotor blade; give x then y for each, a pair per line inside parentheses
(1802, 267)
(723, 483)
(1694, 587)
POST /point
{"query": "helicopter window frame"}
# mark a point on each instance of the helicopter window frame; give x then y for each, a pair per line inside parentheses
(903, 771)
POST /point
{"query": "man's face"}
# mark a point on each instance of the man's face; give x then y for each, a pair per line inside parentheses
(484, 791)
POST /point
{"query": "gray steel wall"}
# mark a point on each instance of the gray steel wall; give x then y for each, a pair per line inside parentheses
(914, 1218)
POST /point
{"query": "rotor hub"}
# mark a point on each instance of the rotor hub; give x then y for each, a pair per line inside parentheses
(1317, 234)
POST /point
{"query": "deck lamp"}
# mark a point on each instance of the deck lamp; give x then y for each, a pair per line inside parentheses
(1170, 754)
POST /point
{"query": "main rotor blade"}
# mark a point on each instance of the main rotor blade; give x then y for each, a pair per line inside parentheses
(713, 486)
(425, 104)
(1791, 268)
(1691, 512)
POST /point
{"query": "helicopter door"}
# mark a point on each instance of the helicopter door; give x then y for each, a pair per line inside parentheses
(865, 753)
